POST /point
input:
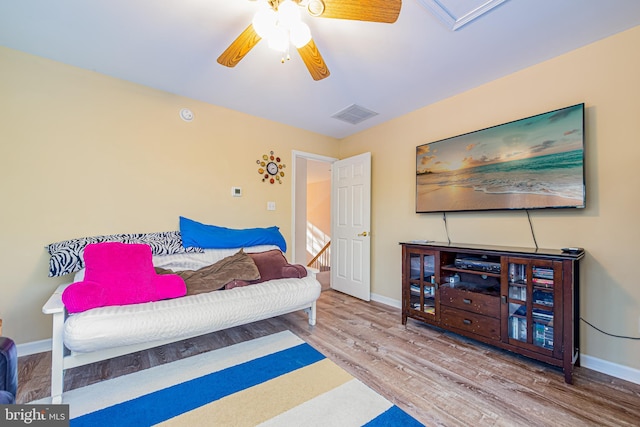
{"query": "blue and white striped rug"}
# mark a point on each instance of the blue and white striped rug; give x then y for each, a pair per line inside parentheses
(277, 380)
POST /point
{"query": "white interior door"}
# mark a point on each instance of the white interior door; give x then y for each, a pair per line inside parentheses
(351, 226)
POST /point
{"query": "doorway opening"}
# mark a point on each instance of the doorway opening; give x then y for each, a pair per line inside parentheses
(311, 201)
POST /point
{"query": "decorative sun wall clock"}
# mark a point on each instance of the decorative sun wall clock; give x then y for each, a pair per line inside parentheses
(270, 168)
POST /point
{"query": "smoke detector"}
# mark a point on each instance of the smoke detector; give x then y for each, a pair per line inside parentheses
(186, 115)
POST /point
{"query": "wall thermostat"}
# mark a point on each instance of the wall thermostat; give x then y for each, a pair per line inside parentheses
(236, 191)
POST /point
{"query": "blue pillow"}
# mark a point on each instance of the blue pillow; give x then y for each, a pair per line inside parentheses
(195, 234)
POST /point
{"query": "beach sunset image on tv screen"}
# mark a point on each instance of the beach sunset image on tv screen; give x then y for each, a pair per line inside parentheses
(532, 163)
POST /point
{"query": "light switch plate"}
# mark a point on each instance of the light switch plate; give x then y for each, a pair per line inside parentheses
(271, 206)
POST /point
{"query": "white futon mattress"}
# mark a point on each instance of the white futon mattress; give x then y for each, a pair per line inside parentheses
(185, 317)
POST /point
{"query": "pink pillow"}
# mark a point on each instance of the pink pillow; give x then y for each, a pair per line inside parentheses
(119, 274)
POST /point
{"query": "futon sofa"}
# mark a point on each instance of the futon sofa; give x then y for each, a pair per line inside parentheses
(109, 331)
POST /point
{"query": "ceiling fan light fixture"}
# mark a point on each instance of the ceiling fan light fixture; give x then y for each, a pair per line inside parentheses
(279, 39)
(281, 24)
(315, 7)
(265, 21)
(385, 11)
(300, 34)
(288, 14)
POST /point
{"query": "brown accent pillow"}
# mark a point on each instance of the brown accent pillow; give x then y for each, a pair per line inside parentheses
(273, 265)
(294, 270)
(238, 267)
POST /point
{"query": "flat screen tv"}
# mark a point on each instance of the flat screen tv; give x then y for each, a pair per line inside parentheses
(531, 163)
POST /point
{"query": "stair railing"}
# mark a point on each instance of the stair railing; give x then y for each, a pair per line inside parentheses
(322, 261)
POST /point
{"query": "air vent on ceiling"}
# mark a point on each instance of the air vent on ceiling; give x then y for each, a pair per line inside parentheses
(354, 114)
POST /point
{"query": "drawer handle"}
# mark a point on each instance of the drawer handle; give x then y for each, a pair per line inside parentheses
(466, 321)
(466, 301)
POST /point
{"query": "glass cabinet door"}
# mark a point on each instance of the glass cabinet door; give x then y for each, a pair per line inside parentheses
(542, 283)
(531, 302)
(517, 301)
(422, 283)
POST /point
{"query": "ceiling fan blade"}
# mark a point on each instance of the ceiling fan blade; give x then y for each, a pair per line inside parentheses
(386, 11)
(313, 60)
(240, 47)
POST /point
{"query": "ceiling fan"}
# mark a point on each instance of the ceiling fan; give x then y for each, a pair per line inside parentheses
(279, 22)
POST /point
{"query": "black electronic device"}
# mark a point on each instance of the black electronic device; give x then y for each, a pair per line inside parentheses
(477, 263)
(572, 250)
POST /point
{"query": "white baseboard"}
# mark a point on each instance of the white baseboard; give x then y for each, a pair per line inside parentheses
(605, 367)
(33, 347)
(619, 371)
(386, 300)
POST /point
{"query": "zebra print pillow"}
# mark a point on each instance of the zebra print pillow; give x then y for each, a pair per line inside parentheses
(66, 256)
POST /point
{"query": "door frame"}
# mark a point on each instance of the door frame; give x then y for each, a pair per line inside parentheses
(295, 155)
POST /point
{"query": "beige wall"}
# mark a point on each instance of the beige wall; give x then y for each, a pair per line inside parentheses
(83, 154)
(605, 76)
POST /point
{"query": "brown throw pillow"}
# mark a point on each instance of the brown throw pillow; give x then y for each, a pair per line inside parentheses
(295, 271)
(238, 267)
(269, 264)
(273, 265)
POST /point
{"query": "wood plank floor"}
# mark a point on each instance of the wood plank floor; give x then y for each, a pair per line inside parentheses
(438, 377)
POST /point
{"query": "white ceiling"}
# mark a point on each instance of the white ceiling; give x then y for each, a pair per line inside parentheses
(391, 69)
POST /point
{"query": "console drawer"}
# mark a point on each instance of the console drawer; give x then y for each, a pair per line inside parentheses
(470, 301)
(470, 322)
